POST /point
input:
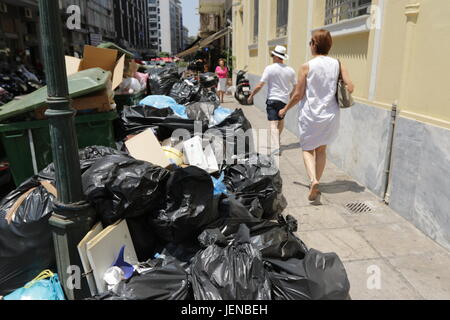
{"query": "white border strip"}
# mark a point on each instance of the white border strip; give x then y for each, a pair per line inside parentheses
(376, 49)
(309, 29)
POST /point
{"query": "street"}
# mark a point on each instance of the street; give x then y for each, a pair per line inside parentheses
(409, 264)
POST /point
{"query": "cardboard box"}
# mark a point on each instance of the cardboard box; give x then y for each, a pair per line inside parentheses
(93, 57)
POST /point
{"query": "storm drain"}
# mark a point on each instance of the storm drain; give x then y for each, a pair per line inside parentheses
(359, 208)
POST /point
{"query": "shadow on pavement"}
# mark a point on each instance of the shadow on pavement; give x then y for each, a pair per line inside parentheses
(339, 186)
(292, 146)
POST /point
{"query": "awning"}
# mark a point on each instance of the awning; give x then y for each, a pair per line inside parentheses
(205, 42)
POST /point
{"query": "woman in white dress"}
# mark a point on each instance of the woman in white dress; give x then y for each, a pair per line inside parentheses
(319, 120)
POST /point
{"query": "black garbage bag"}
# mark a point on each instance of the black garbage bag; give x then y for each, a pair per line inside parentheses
(257, 183)
(26, 244)
(183, 252)
(318, 276)
(136, 119)
(236, 135)
(229, 271)
(184, 92)
(88, 156)
(275, 240)
(201, 111)
(163, 122)
(209, 79)
(122, 187)
(143, 237)
(188, 206)
(161, 83)
(167, 280)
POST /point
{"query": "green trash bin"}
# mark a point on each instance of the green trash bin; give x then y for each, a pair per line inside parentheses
(28, 148)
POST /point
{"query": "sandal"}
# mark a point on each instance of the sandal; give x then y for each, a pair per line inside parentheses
(315, 192)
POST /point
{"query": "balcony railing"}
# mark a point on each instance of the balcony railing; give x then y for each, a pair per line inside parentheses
(340, 10)
(281, 31)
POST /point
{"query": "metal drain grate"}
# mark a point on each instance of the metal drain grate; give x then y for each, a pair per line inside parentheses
(359, 207)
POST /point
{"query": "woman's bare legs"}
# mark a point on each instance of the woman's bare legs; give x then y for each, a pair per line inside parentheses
(315, 162)
(321, 161)
(221, 96)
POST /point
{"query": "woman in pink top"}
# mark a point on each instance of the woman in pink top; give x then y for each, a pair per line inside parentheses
(222, 73)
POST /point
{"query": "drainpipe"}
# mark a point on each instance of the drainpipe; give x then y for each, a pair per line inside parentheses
(411, 12)
(388, 167)
(72, 216)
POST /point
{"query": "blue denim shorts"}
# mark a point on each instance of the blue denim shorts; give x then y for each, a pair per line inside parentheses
(273, 108)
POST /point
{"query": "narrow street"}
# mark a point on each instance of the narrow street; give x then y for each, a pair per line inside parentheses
(410, 265)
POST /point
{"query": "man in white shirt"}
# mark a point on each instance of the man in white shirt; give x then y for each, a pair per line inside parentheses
(281, 81)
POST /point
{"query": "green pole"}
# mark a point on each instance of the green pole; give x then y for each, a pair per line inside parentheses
(72, 217)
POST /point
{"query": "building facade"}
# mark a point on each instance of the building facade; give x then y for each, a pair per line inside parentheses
(19, 31)
(186, 42)
(97, 24)
(155, 26)
(132, 25)
(396, 52)
(171, 26)
(215, 16)
(19, 26)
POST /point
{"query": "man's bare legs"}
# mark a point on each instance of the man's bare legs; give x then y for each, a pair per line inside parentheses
(274, 136)
(280, 131)
(315, 162)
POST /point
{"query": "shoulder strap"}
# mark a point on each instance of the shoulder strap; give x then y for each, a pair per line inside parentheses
(340, 70)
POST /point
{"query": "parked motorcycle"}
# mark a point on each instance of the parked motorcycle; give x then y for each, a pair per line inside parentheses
(243, 88)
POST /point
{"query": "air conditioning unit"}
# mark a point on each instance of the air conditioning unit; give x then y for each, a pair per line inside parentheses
(28, 13)
(3, 8)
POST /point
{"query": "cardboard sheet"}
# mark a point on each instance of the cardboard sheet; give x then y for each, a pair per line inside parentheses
(104, 249)
(146, 147)
(82, 250)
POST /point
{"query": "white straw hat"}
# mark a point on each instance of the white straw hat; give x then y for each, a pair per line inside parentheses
(280, 52)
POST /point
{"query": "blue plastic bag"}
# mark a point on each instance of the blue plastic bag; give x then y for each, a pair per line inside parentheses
(220, 114)
(219, 186)
(163, 102)
(40, 289)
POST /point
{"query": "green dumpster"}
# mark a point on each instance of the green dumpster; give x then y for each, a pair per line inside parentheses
(28, 147)
(80, 84)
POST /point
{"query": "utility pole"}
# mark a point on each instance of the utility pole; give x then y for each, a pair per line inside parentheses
(73, 217)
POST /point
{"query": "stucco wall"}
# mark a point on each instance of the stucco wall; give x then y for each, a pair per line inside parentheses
(421, 177)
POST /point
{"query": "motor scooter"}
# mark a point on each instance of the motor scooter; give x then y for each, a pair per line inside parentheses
(243, 88)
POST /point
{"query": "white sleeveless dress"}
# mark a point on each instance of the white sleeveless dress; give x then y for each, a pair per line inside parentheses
(319, 120)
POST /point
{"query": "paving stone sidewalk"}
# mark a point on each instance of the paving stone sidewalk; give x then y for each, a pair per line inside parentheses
(411, 265)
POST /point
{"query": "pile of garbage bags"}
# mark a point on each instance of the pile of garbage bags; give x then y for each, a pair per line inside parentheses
(208, 247)
(161, 80)
(17, 81)
(196, 234)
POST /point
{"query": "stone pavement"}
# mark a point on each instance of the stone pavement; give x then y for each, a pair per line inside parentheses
(409, 264)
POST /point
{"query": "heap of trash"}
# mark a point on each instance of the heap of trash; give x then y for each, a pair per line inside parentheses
(180, 214)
